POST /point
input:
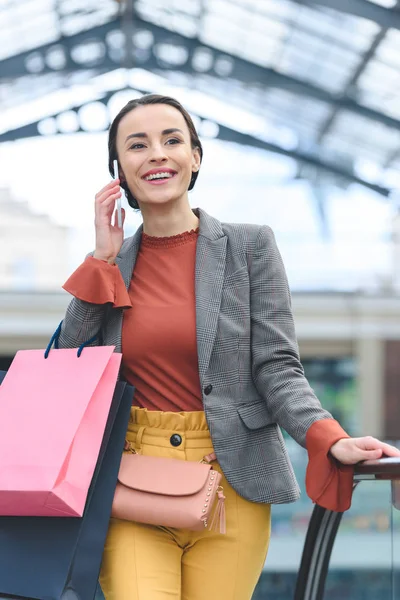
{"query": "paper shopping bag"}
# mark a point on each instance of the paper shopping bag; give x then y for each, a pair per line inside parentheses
(57, 558)
(53, 412)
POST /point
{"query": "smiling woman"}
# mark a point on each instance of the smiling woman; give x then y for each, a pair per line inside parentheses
(201, 312)
(154, 115)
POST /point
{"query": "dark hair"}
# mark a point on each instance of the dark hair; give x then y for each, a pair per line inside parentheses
(143, 101)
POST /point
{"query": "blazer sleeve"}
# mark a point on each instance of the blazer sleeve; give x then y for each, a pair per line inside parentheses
(276, 368)
(97, 286)
(279, 377)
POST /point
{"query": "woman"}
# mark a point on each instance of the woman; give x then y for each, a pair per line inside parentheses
(201, 311)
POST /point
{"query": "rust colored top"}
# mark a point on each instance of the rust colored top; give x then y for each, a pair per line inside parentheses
(159, 332)
(160, 352)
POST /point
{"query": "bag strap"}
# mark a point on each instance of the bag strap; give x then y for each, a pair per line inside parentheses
(53, 340)
(56, 335)
(209, 458)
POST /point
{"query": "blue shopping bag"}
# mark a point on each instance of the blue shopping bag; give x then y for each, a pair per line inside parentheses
(51, 558)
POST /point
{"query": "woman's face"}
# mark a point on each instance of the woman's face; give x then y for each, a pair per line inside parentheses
(155, 154)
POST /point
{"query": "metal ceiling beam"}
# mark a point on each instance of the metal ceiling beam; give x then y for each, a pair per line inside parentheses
(303, 157)
(230, 135)
(392, 158)
(16, 66)
(384, 17)
(326, 127)
(152, 60)
(365, 60)
(320, 195)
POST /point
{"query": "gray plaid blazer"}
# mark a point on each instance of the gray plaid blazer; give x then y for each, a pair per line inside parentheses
(250, 372)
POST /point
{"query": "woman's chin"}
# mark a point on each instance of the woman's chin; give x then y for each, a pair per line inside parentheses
(160, 198)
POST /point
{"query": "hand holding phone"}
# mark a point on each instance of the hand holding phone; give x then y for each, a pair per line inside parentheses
(119, 212)
(109, 232)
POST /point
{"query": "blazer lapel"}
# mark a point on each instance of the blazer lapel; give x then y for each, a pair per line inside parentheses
(209, 279)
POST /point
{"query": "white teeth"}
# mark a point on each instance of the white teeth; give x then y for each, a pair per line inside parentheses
(158, 176)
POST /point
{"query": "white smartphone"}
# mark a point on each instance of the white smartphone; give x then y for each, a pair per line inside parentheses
(119, 212)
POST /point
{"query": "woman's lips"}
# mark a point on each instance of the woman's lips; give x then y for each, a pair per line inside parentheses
(159, 181)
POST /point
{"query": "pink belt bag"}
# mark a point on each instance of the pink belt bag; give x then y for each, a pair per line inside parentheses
(169, 492)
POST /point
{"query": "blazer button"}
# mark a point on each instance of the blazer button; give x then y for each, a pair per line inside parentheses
(208, 389)
(175, 440)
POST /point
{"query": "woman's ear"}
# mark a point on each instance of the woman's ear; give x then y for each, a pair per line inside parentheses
(122, 177)
(122, 180)
(196, 160)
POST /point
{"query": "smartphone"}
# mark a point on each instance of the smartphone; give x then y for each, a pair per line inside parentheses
(119, 212)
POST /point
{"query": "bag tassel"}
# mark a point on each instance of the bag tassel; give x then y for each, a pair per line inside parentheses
(219, 514)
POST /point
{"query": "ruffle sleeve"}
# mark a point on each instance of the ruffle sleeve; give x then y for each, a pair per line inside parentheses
(98, 282)
(328, 482)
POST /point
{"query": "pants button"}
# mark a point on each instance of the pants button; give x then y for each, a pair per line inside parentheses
(175, 439)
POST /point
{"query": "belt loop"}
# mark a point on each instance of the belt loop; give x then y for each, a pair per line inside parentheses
(139, 435)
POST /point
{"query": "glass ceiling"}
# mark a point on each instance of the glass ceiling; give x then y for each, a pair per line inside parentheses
(323, 83)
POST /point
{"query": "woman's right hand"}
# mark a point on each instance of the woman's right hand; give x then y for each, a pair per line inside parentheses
(109, 236)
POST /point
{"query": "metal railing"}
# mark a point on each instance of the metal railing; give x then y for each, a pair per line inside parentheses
(323, 528)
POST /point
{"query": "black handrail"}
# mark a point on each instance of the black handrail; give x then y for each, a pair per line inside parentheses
(322, 530)
(383, 468)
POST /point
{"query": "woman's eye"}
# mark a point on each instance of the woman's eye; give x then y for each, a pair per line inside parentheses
(137, 146)
(173, 141)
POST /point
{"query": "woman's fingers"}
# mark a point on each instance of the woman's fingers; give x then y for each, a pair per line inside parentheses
(106, 188)
(372, 448)
(106, 191)
(106, 207)
(371, 443)
(389, 450)
(352, 450)
(115, 191)
(116, 218)
(109, 236)
(123, 216)
(110, 199)
(369, 454)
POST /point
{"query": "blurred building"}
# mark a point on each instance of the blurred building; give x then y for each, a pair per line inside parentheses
(34, 251)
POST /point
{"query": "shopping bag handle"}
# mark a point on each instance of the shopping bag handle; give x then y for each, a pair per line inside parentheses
(55, 337)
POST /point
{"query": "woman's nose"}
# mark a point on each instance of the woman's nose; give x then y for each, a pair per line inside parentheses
(158, 155)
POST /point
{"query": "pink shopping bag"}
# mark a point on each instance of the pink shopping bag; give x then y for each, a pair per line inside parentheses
(53, 412)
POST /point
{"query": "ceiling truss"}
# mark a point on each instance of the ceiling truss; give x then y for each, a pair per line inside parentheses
(171, 52)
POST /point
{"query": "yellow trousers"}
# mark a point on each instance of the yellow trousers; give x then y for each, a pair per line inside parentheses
(143, 562)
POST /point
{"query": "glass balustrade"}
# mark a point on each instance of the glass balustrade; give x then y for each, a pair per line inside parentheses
(356, 556)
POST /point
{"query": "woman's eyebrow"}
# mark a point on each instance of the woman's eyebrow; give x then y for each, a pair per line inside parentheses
(144, 135)
(135, 135)
(172, 130)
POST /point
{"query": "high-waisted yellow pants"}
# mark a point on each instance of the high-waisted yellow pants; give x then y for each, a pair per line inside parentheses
(143, 562)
